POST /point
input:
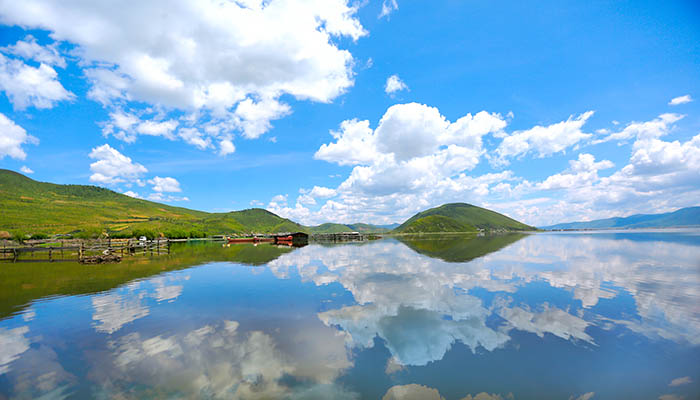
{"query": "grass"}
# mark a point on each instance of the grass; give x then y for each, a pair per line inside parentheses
(30, 208)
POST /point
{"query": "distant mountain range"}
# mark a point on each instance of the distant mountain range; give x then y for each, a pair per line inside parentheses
(689, 216)
(40, 208)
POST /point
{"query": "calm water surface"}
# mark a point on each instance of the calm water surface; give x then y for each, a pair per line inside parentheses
(603, 315)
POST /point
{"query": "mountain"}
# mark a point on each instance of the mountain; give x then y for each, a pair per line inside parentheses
(330, 228)
(34, 207)
(459, 217)
(689, 216)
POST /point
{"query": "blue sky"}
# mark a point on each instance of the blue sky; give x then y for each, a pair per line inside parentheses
(548, 111)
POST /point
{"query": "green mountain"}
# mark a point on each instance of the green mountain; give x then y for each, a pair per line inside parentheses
(689, 216)
(34, 207)
(460, 217)
(330, 227)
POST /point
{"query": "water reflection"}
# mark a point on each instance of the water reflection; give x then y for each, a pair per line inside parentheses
(454, 318)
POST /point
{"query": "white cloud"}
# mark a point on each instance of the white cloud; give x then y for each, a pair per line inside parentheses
(29, 49)
(680, 100)
(388, 6)
(12, 343)
(166, 184)
(655, 128)
(322, 192)
(112, 167)
(583, 171)
(31, 86)
(127, 126)
(681, 381)
(280, 198)
(194, 137)
(12, 137)
(231, 70)
(660, 176)
(113, 311)
(160, 197)
(26, 170)
(133, 194)
(414, 158)
(226, 147)
(542, 140)
(394, 84)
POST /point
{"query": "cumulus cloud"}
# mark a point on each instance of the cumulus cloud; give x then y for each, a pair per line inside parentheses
(31, 86)
(583, 171)
(394, 84)
(26, 170)
(112, 311)
(132, 194)
(127, 126)
(12, 137)
(166, 184)
(414, 157)
(30, 49)
(542, 140)
(13, 343)
(680, 100)
(229, 73)
(113, 167)
(388, 7)
(322, 192)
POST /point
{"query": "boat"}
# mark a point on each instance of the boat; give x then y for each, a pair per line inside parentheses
(254, 239)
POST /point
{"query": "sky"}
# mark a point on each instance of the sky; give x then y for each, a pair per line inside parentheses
(365, 111)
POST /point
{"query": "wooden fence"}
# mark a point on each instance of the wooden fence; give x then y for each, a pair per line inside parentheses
(92, 252)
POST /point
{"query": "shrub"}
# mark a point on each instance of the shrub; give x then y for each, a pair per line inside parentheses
(19, 236)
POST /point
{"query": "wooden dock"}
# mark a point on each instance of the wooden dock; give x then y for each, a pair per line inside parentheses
(339, 237)
(91, 252)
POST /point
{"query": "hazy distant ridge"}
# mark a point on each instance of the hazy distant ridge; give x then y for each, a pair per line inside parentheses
(689, 216)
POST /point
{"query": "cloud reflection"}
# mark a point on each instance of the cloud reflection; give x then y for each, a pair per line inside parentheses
(420, 306)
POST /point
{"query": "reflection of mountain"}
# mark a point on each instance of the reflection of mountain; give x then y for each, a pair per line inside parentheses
(459, 248)
(22, 283)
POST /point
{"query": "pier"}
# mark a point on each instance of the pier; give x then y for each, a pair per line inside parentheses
(90, 252)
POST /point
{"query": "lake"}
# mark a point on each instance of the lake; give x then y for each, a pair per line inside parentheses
(575, 315)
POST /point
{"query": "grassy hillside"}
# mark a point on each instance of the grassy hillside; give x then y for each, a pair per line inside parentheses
(459, 217)
(330, 228)
(38, 207)
(689, 216)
